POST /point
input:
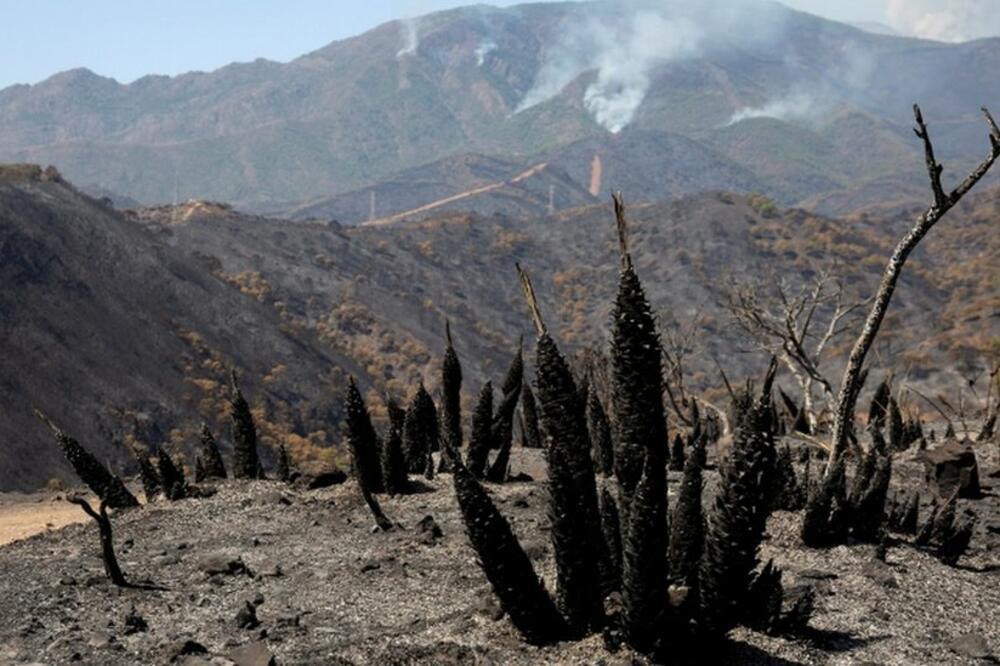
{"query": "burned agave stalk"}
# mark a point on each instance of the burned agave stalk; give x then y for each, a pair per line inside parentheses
(420, 431)
(738, 521)
(451, 403)
(600, 435)
(502, 431)
(572, 487)
(107, 543)
(482, 432)
(108, 487)
(211, 457)
(362, 441)
(636, 377)
(521, 593)
(246, 462)
(171, 476)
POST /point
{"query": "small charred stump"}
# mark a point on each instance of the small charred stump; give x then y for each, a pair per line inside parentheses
(107, 544)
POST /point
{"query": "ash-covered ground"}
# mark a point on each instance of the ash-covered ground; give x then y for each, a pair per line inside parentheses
(261, 569)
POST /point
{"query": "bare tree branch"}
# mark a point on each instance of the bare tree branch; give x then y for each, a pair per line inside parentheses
(849, 387)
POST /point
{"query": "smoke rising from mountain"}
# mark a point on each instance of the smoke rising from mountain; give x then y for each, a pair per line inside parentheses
(621, 43)
(946, 20)
(485, 48)
(409, 29)
(796, 106)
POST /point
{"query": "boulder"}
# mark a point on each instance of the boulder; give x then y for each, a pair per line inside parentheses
(252, 654)
(953, 466)
(316, 475)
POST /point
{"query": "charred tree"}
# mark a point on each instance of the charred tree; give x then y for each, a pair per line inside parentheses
(943, 202)
(246, 463)
(521, 593)
(107, 543)
(738, 521)
(482, 432)
(420, 431)
(171, 476)
(572, 487)
(108, 487)
(394, 475)
(451, 402)
(362, 441)
(636, 379)
(600, 435)
(211, 457)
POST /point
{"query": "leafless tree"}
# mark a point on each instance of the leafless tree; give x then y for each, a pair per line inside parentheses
(797, 326)
(943, 202)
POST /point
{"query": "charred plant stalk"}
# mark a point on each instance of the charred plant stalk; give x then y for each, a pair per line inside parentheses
(107, 543)
(246, 463)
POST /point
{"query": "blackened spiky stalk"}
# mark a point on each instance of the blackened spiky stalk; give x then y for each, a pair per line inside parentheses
(246, 463)
(96, 476)
(763, 608)
(600, 435)
(397, 415)
(199, 469)
(572, 487)
(284, 470)
(825, 521)
(687, 529)
(644, 561)
(451, 402)
(482, 432)
(954, 545)
(211, 457)
(737, 524)
(677, 453)
(171, 476)
(363, 441)
(147, 473)
(926, 531)
(532, 436)
(868, 514)
(500, 468)
(636, 378)
(897, 429)
(420, 431)
(521, 593)
(503, 422)
(789, 494)
(879, 407)
(393, 463)
(611, 527)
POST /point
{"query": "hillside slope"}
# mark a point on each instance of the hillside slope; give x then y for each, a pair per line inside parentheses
(121, 339)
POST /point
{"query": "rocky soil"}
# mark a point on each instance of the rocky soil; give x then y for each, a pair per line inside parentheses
(263, 571)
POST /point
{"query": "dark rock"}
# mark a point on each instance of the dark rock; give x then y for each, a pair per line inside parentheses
(184, 646)
(972, 645)
(221, 563)
(953, 466)
(370, 566)
(316, 476)
(246, 617)
(429, 530)
(253, 654)
(134, 623)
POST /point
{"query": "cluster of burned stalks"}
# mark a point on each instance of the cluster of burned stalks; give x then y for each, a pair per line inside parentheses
(656, 578)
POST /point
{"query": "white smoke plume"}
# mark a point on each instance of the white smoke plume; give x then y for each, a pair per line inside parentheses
(946, 20)
(410, 32)
(626, 40)
(485, 48)
(796, 106)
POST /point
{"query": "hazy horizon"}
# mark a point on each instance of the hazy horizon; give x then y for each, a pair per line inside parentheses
(127, 41)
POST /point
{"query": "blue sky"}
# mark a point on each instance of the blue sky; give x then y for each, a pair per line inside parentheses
(126, 39)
